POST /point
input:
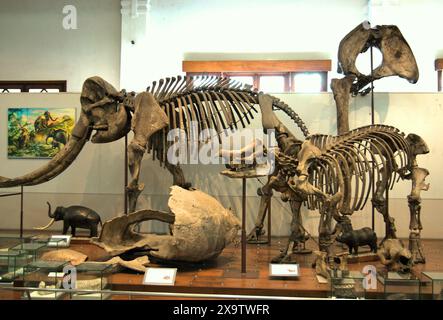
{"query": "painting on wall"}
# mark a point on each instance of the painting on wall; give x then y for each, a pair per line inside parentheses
(35, 133)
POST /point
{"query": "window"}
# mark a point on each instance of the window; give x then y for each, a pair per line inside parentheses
(308, 82)
(33, 86)
(273, 76)
(272, 83)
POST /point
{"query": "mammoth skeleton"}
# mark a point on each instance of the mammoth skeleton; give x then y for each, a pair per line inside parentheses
(212, 102)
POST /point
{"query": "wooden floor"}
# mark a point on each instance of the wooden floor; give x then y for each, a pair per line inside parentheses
(222, 276)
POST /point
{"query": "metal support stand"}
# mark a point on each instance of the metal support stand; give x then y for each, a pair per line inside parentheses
(242, 273)
(126, 174)
(269, 221)
(372, 122)
(243, 228)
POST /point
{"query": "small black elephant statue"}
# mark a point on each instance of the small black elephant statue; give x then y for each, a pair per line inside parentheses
(74, 217)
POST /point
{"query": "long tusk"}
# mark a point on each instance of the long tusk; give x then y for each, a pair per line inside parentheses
(47, 226)
(59, 163)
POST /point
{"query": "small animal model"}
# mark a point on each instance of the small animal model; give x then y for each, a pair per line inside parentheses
(358, 238)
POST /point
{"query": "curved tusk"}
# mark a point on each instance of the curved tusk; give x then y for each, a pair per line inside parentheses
(59, 163)
(47, 226)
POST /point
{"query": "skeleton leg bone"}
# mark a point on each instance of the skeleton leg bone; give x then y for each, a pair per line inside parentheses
(297, 231)
(265, 194)
(380, 205)
(135, 156)
(178, 178)
(275, 182)
(418, 177)
(341, 89)
(147, 111)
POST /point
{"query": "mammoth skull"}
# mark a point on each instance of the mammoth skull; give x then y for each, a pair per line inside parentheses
(200, 229)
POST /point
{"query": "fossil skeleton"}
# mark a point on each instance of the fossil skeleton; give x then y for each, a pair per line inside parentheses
(333, 174)
(398, 60)
(212, 102)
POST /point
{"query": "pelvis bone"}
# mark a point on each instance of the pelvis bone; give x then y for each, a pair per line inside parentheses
(398, 60)
(200, 229)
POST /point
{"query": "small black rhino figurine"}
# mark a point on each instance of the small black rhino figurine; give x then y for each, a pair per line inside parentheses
(357, 238)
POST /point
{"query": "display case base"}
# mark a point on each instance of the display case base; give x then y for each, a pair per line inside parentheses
(363, 257)
(237, 274)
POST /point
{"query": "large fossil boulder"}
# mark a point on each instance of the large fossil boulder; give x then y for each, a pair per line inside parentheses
(200, 228)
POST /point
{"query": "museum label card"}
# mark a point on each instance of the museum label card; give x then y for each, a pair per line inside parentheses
(283, 270)
(59, 241)
(160, 276)
(56, 274)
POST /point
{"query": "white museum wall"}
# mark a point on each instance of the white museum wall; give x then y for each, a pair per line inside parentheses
(95, 179)
(176, 30)
(35, 46)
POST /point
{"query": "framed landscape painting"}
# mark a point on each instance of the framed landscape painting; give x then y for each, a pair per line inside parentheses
(35, 133)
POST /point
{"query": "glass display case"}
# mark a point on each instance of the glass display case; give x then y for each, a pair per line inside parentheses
(50, 242)
(7, 243)
(91, 276)
(32, 249)
(11, 265)
(432, 285)
(348, 285)
(399, 286)
(44, 275)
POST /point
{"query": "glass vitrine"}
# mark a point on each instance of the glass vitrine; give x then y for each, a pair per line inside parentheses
(32, 249)
(91, 276)
(399, 286)
(11, 265)
(49, 243)
(432, 285)
(44, 275)
(348, 285)
(7, 242)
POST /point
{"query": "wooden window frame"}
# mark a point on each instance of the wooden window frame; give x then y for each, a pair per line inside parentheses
(25, 86)
(259, 68)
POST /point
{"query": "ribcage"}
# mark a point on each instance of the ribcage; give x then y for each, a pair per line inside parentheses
(195, 104)
(353, 162)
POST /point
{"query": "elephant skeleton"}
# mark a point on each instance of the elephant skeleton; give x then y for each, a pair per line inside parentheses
(214, 103)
